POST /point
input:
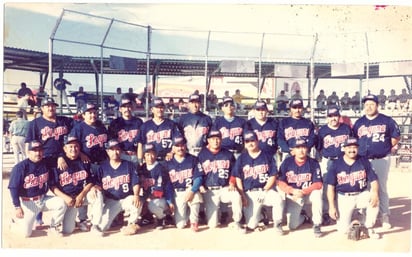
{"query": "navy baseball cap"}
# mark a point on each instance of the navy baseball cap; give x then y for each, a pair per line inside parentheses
(333, 110)
(47, 101)
(250, 136)
(125, 101)
(214, 133)
(179, 140)
(370, 97)
(294, 103)
(227, 99)
(296, 142)
(158, 102)
(149, 147)
(35, 145)
(194, 98)
(350, 141)
(70, 139)
(260, 104)
(112, 143)
(88, 107)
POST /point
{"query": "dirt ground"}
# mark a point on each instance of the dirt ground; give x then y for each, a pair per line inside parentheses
(221, 241)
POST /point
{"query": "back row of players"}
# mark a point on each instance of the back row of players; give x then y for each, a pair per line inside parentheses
(167, 167)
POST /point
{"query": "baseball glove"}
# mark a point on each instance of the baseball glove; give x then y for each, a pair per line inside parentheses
(357, 231)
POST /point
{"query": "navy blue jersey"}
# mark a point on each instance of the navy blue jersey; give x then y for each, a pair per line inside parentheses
(182, 174)
(350, 178)
(331, 140)
(232, 132)
(300, 177)
(195, 127)
(117, 183)
(266, 134)
(374, 136)
(290, 128)
(28, 179)
(50, 134)
(74, 179)
(156, 178)
(92, 139)
(255, 172)
(125, 131)
(160, 135)
(216, 167)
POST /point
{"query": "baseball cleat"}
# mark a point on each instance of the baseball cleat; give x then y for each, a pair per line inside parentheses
(83, 226)
(317, 231)
(385, 222)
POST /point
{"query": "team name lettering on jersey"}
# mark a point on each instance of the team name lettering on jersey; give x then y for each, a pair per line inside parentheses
(214, 166)
(48, 132)
(368, 131)
(351, 178)
(66, 178)
(335, 141)
(148, 182)
(254, 171)
(180, 176)
(298, 179)
(294, 133)
(35, 181)
(158, 136)
(92, 140)
(109, 182)
(124, 135)
(231, 133)
(264, 135)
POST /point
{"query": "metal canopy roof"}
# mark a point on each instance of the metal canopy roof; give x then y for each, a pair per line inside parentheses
(34, 61)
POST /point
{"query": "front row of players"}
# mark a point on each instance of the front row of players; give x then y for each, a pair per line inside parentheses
(184, 184)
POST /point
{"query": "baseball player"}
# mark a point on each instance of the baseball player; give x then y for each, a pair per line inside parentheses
(185, 174)
(348, 180)
(28, 185)
(301, 179)
(125, 130)
(72, 184)
(331, 137)
(219, 186)
(255, 173)
(295, 126)
(195, 125)
(120, 184)
(377, 134)
(232, 127)
(156, 186)
(159, 131)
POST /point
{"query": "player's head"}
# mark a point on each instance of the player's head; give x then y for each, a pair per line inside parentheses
(194, 103)
(113, 149)
(89, 112)
(261, 110)
(149, 153)
(35, 151)
(158, 107)
(179, 146)
(333, 116)
(251, 141)
(71, 147)
(296, 108)
(48, 108)
(228, 106)
(299, 147)
(350, 147)
(126, 108)
(214, 140)
(370, 105)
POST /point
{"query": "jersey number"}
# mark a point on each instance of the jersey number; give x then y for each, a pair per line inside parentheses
(376, 137)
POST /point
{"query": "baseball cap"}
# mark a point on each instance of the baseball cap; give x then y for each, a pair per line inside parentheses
(227, 99)
(35, 145)
(250, 136)
(370, 97)
(194, 98)
(47, 101)
(179, 140)
(149, 147)
(214, 133)
(157, 102)
(296, 103)
(69, 139)
(112, 143)
(296, 142)
(260, 104)
(125, 101)
(88, 107)
(350, 141)
(333, 110)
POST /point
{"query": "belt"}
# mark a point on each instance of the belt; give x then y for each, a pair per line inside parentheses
(331, 158)
(255, 189)
(34, 198)
(349, 194)
(130, 152)
(377, 157)
(214, 187)
(181, 189)
(233, 151)
(196, 149)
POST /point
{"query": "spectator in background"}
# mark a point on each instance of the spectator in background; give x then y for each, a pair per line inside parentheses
(333, 99)
(282, 102)
(145, 95)
(321, 100)
(111, 107)
(392, 100)
(237, 98)
(41, 94)
(18, 131)
(61, 84)
(23, 104)
(382, 99)
(355, 102)
(404, 99)
(118, 95)
(23, 92)
(297, 95)
(80, 98)
(171, 106)
(345, 101)
(211, 101)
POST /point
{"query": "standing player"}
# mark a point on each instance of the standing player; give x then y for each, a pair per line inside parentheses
(195, 125)
(347, 181)
(219, 186)
(293, 127)
(28, 185)
(377, 134)
(255, 173)
(300, 178)
(159, 131)
(186, 177)
(232, 127)
(61, 84)
(125, 130)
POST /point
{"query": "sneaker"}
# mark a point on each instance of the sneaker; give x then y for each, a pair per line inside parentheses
(54, 231)
(279, 229)
(96, 230)
(317, 231)
(160, 224)
(130, 229)
(194, 226)
(385, 222)
(83, 226)
(373, 234)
